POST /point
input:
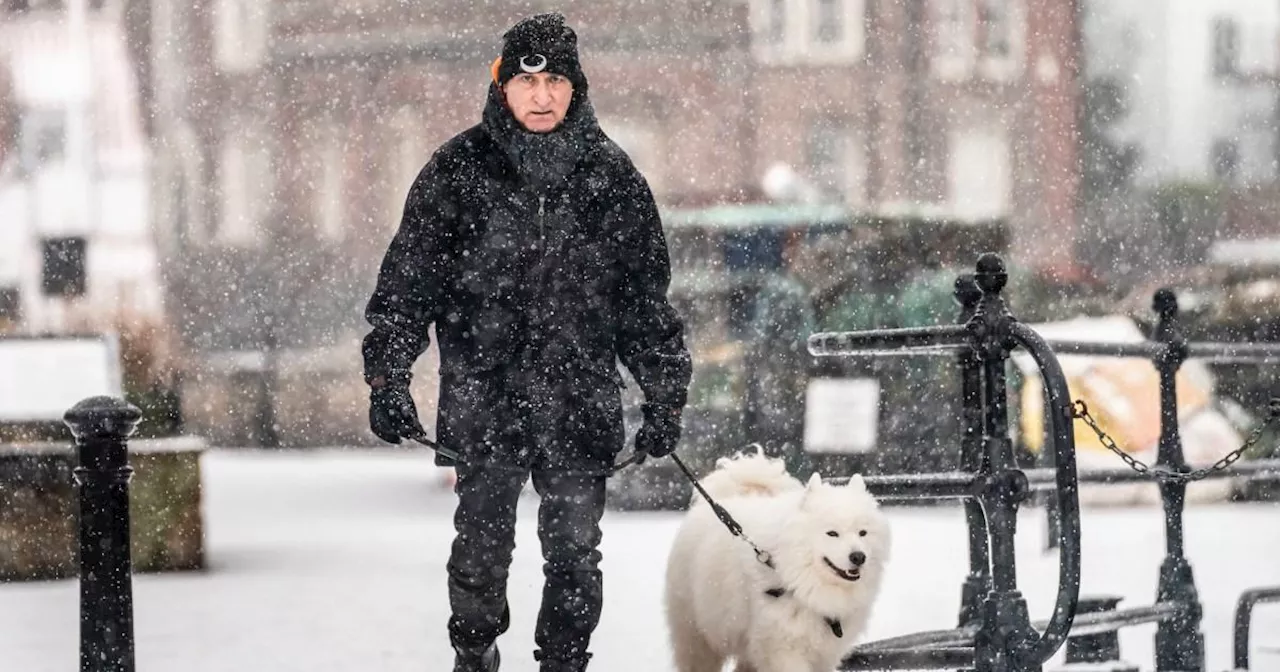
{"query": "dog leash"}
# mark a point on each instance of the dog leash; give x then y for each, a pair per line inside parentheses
(735, 528)
(422, 438)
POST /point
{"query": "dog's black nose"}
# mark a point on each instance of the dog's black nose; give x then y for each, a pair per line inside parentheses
(857, 558)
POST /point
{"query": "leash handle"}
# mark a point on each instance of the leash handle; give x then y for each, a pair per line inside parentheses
(636, 458)
(421, 437)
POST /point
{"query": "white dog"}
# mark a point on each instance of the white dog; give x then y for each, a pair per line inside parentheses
(827, 544)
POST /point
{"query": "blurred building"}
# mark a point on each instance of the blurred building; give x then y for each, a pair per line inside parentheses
(964, 106)
(287, 133)
(1196, 83)
(1180, 127)
(76, 250)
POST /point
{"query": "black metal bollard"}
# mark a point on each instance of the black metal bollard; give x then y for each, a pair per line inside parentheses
(1179, 643)
(1005, 627)
(102, 426)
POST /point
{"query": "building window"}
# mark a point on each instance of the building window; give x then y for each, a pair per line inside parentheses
(241, 31)
(979, 172)
(42, 140)
(798, 31)
(247, 183)
(331, 201)
(1000, 34)
(996, 25)
(63, 271)
(16, 6)
(10, 306)
(1226, 159)
(775, 24)
(771, 26)
(180, 202)
(953, 38)
(836, 161)
(183, 169)
(824, 153)
(835, 30)
(1226, 47)
(408, 155)
(828, 21)
(330, 182)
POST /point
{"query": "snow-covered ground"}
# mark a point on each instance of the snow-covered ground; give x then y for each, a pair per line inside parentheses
(335, 561)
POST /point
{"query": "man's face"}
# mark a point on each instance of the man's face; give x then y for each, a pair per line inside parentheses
(538, 101)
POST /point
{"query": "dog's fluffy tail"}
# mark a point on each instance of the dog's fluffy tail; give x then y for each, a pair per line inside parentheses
(746, 474)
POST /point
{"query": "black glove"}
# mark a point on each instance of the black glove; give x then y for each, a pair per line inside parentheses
(392, 414)
(660, 432)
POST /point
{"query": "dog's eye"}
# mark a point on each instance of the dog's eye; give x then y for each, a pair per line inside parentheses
(832, 533)
(862, 533)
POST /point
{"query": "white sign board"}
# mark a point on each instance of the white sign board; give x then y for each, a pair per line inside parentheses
(40, 378)
(841, 415)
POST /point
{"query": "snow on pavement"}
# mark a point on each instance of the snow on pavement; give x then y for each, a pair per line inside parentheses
(334, 560)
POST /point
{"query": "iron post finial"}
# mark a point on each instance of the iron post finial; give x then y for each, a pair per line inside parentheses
(966, 292)
(992, 275)
(1165, 302)
(102, 417)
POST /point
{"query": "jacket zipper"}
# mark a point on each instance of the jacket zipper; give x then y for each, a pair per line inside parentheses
(540, 305)
(541, 267)
(542, 229)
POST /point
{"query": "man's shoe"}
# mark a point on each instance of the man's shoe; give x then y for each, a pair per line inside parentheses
(477, 660)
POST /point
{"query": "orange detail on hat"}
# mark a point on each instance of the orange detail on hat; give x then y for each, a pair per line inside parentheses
(493, 69)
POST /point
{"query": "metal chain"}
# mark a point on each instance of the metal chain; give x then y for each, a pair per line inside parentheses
(1161, 473)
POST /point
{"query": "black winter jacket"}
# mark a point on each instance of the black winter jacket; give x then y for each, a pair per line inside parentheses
(540, 260)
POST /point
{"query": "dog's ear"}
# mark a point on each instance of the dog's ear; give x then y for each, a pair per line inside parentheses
(815, 480)
(857, 483)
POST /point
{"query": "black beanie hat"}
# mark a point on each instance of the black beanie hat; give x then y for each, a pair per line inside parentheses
(543, 42)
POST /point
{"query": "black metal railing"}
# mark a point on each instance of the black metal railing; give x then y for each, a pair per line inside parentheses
(1179, 640)
(995, 633)
(999, 634)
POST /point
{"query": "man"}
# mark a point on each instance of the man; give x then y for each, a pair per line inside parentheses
(534, 247)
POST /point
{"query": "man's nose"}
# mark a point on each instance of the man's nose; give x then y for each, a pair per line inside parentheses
(857, 558)
(541, 95)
